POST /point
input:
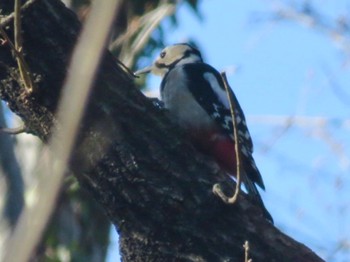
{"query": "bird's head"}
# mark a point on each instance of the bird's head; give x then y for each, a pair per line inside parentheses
(172, 56)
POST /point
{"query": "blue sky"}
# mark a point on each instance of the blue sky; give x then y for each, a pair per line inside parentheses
(283, 71)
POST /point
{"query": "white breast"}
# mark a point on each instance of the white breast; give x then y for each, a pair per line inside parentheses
(182, 105)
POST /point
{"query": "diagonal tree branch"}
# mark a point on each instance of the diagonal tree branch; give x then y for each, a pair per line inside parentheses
(85, 60)
(154, 187)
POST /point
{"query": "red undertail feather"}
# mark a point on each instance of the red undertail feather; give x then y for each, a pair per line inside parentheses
(222, 149)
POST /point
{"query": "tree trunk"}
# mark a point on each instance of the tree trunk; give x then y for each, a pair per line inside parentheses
(155, 188)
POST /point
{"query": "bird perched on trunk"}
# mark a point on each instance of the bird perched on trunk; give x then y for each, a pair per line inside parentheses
(195, 95)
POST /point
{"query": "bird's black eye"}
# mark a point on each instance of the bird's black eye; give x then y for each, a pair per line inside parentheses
(162, 54)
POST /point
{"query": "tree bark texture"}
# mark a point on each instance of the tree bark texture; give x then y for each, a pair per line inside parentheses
(155, 188)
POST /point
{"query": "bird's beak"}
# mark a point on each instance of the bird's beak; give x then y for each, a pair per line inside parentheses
(143, 71)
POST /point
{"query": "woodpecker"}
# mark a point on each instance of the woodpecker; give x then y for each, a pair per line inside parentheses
(195, 95)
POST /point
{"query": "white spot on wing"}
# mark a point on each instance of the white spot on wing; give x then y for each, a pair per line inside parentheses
(228, 122)
(240, 133)
(238, 119)
(216, 115)
(219, 91)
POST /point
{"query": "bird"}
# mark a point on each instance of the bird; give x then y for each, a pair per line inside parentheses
(194, 94)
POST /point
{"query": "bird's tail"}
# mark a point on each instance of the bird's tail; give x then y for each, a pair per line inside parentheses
(255, 196)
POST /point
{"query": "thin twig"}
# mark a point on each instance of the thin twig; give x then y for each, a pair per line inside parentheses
(148, 22)
(312, 19)
(14, 131)
(246, 252)
(216, 188)
(278, 135)
(126, 69)
(142, 35)
(22, 65)
(17, 48)
(5, 21)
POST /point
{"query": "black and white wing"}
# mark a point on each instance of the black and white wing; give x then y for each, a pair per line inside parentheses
(207, 86)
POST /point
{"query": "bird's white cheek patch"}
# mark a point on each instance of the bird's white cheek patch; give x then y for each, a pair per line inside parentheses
(219, 91)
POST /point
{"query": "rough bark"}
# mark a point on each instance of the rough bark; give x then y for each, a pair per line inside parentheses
(154, 187)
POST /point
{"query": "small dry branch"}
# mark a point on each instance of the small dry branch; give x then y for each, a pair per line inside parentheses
(246, 252)
(17, 47)
(216, 188)
(14, 131)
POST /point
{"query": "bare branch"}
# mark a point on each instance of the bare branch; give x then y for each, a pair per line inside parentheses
(307, 16)
(246, 252)
(146, 25)
(83, 68)
(14, 131)
(17, 48)
(216, 189)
